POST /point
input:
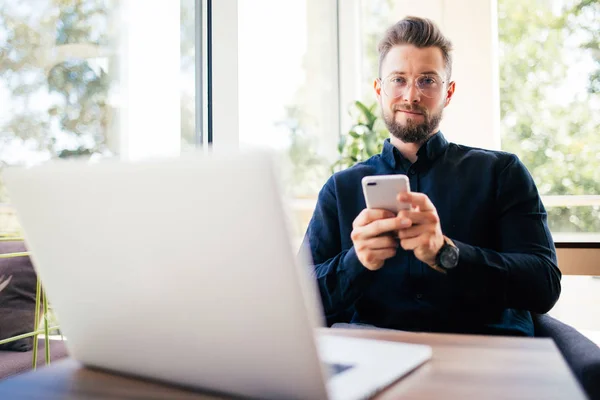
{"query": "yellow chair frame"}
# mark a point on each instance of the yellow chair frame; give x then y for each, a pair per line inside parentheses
(40, 300)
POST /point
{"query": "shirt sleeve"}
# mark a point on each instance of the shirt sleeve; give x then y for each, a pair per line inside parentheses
(522, 273)
(340, 276)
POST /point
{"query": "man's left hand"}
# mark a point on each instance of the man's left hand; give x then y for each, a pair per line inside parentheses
(422, 232)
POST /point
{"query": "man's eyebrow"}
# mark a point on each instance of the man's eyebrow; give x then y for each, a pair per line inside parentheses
(431, 72)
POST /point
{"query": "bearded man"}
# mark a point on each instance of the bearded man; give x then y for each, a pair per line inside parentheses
(473, 255)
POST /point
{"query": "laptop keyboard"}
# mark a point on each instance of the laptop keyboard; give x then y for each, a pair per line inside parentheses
(335, 369)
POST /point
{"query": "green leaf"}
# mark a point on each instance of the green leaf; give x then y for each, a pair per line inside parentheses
(368, 114)
(363, 140)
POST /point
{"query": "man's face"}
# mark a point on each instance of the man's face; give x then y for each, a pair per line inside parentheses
(413, 91)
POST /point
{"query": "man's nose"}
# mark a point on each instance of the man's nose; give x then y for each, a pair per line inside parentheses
(412, 94)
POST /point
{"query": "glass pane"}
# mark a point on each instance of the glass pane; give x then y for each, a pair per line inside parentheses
(375, 17)
(288, 91)
(59, 87)
(575, 223)
(55, 77)
(550, 99)
(188, 74)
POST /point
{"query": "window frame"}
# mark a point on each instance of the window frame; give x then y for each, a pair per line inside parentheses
(482, 52)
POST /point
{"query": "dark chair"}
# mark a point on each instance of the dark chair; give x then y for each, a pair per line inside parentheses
(16, 362)
(18, 297)
(582, 355)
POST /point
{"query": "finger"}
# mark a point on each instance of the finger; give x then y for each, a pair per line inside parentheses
(413, 231)
(417, 200)
(416, 242)
(380, 255)
(403, 216)
(422, 217)
(367, 216)
(410, 243)
(402, 213)
(380, 226)
(380, 242)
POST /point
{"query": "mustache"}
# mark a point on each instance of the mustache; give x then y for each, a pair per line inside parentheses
(411, 108)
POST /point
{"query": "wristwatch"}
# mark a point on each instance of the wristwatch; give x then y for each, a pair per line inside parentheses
(447, 257)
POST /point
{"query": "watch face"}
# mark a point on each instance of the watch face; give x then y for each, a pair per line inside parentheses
(449, 258)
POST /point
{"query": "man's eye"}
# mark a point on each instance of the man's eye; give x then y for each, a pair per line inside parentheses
(398, 81)
(428, 81)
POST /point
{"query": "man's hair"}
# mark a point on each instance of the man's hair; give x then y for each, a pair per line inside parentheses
(419, 32)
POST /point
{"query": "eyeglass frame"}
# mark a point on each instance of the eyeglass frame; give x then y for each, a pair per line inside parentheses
(381, 83)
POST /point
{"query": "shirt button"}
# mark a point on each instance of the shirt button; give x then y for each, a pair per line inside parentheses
(419, 296)
(412, 172)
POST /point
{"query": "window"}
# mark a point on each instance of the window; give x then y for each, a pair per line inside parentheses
(550, 106)
(549, 95)
(55, 72)
(301, 73)
(288, 91)
(67, 68)
(190, 64)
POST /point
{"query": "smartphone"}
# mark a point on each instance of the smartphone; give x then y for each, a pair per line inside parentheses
(380, 192)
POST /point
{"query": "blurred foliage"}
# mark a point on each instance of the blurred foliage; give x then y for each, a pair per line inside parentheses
(54, 67)
(54, 63)
(73, 89)
(305, 169)
(574, 219)
(364, 139)
(546, 119)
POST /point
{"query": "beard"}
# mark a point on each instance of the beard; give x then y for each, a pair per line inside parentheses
(413, 132)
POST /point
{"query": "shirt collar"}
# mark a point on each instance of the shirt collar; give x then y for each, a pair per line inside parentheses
(429, 151)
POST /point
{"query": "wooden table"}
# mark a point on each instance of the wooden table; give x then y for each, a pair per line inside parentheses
(462, 367)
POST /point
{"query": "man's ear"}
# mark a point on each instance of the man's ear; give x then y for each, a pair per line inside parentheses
(450, 93)
(377, 87)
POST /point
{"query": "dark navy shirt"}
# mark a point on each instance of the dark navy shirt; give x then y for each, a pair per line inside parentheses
(488, 205)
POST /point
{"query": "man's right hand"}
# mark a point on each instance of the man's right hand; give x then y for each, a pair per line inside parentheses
(374, 234)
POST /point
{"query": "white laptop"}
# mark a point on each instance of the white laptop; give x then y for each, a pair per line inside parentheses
(182, 271)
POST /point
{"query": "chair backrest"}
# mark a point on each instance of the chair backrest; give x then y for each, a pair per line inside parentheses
(582, 355)
(18, 285)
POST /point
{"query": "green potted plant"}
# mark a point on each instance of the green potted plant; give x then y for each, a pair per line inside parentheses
(364, 139)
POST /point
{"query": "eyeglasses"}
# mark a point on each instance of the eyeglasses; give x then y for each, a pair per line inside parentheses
(395, 86)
